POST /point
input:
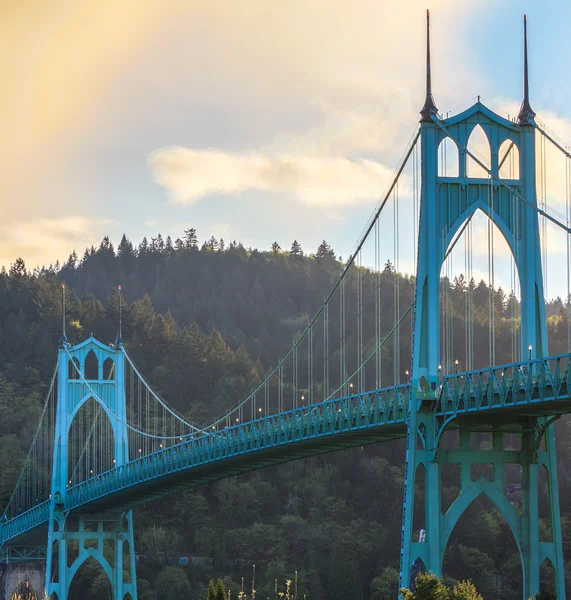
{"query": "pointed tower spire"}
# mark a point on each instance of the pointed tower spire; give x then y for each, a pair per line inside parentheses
(119, 341)
(429, 107)
(63, 341)
(526, 113)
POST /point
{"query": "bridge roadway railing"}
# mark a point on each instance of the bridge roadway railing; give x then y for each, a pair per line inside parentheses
(533, 382)
(24, 522)
(374, 410)
(544, 381)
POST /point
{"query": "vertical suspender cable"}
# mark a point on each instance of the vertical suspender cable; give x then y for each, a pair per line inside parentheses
(295, 385)
(396, 280)
(361, 366)
(568, 214)
(326, 350)
(377, 304)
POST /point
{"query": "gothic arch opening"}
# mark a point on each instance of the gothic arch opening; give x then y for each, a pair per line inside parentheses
(126, 562)
(55, 561)
(91, 443)
(91, 366)
(108, 369)
(448, 158)
(73, 368)
(544, 506)
(479, 146)
(482, 548)
(508, 160)
(479, 298)
(419, 515)
(91, 582)
(417, 567)
(547, 576)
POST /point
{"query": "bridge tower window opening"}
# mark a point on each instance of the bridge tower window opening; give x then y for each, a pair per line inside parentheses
(108, 369)
(448, 158)
(73, 370)
(479, 146)
(508, 160)
(91, 366)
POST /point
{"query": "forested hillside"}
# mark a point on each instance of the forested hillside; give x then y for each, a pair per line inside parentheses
(204, 323)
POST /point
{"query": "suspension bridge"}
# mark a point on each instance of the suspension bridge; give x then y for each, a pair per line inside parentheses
(107, 442)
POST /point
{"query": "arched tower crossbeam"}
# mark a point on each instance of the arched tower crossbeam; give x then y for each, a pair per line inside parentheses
(75, 537)
(446, 203)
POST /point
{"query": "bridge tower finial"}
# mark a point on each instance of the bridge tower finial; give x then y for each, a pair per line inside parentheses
(429, 109)
(526, 113)
(63, 340)
(119, 341)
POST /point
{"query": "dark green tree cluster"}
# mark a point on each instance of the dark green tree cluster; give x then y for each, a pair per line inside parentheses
(204, 322)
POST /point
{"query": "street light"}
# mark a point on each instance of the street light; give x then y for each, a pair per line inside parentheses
(456, 364)
(406, 373)
(530, 349)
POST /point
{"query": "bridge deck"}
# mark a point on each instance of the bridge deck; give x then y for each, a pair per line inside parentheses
(500, 394)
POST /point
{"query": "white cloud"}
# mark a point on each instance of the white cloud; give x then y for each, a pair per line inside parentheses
(44, 240)
(316, 181)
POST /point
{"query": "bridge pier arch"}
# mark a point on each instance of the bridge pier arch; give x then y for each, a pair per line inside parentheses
(522, 517)
(106, 538)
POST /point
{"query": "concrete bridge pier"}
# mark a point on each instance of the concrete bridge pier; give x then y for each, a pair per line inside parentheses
(27, 578)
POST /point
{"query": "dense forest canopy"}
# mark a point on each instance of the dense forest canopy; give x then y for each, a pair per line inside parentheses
(204, 323)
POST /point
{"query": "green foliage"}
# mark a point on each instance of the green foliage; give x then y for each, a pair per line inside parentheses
(173, 584)
(204, 323)
(220, 591)
(429, 587)
(211, 591)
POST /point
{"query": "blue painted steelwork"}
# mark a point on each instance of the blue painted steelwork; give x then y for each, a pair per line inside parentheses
(479, 401)
(91, 498)
(88, 531)
(14, 553)
(542, 386)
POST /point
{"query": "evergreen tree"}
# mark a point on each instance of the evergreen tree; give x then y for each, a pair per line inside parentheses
(211, 591)
(295, 249)
(18, 270)
(190, 239)
(220, 591)
(324, 250)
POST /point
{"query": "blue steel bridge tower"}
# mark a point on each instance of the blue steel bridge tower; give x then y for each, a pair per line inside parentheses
(90, 374)
(446, 204)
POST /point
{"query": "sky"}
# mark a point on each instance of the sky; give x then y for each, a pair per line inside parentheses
(251, 120)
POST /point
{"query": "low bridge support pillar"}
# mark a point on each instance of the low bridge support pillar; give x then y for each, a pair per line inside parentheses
(482, 462)
(24, 580)
(105, 538)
